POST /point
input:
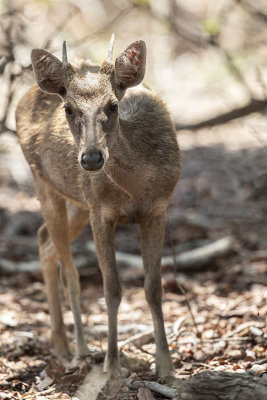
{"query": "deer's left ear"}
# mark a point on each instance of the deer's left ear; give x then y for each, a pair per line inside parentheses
(52, 75)
(130, 66)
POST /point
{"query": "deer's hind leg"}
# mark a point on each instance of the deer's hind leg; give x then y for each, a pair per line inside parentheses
(49, 264)
(62, 224)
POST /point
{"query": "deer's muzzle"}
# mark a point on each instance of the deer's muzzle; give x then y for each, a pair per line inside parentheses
(92, 160)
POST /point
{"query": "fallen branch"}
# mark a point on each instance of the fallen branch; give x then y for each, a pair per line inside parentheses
(139, 339)
(34, 266)
(239, 329)
(131, 260)
(143, 337)
(146, 336)
(263, 361)
(155, 387)
(196, 258)
(252, 107)
(216, 340)
(189, 259)
(203, 255)
(15, 267)
(215, 385)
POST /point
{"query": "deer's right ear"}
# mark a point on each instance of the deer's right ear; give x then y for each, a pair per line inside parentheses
(52, 75)
(130, 66)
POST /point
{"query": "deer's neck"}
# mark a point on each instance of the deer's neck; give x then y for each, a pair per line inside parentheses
(127, 167)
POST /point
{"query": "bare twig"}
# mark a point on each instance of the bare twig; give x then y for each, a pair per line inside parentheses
(216, 340)
(239, 329)
(104, 28)
(180, 287)
(195, 258)
(59, 27)
(252, 10)
(188, 306)
(165, 391)
(197, 38)
(4, 61)
(139, 339)
(233, 68)
(262, 361)
(3, 126)
(252, 107)
(185, 25)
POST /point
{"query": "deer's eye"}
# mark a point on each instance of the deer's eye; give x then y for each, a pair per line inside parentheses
(68, 111)
(113, 106)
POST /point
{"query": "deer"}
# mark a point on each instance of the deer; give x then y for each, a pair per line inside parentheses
(102, 149)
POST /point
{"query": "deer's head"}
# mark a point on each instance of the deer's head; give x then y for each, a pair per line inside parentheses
(91, 100)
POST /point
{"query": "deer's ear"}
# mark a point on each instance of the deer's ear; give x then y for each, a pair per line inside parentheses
(130, 66)
(51, 74)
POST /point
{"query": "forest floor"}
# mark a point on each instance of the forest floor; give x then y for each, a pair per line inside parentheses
(215, 311)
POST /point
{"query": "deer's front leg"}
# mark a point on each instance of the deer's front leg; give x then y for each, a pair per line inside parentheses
(103, 232)
(54, 242)
(152, 236)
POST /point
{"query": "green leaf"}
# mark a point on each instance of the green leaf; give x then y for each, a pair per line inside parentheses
(211, 26)
(141, 3)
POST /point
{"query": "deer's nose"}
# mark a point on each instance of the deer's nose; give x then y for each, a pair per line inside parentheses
(92, 160)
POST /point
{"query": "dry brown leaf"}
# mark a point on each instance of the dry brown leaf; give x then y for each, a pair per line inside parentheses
(47, 381)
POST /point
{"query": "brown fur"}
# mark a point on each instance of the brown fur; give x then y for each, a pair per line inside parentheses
(141, 168)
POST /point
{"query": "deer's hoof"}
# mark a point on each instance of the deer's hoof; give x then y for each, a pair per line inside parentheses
(113, 368)
(82, 352)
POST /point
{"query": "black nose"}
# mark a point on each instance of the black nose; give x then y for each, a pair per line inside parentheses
(93, 160)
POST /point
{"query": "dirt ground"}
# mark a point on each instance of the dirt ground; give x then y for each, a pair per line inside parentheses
(215, 313)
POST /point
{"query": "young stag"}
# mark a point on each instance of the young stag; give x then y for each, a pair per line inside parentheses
(109, 157)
